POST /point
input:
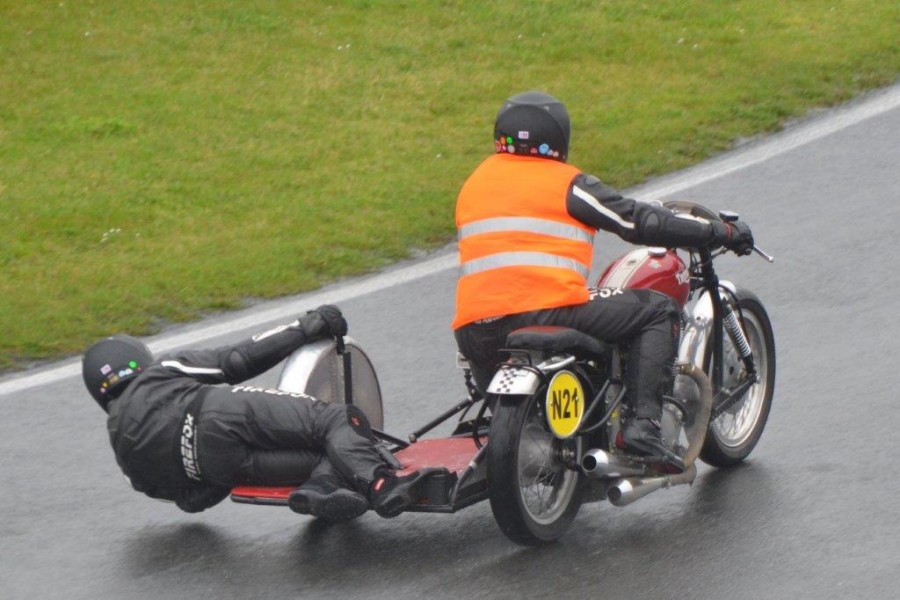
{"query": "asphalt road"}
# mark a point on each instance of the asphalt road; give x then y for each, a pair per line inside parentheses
(812, 514)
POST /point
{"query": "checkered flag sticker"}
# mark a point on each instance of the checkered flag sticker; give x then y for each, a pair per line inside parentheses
(513, 380)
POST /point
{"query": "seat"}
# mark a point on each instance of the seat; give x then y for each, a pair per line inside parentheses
(557, 339)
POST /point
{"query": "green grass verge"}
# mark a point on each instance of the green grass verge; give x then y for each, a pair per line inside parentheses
(159, 160)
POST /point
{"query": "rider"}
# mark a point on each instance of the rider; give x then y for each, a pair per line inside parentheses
(526, 222)
(178, 435)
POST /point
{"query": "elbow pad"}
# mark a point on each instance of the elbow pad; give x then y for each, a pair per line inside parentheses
(199, 499)
(657, 226)
(262, 352)
(237, 367)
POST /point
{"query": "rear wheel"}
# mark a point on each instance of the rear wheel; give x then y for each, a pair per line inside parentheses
(534, 496)
(733, 435)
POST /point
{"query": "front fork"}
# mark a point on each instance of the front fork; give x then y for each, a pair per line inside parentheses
(738, 338)
(711, 318)
(725, 320)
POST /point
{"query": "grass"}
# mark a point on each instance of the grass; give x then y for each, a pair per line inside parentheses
(159, 160)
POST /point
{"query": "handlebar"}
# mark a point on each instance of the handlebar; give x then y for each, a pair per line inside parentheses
(760, 251)
(719, 252)
(698, 211)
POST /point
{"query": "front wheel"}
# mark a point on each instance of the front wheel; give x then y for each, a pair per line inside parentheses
(534, 495)
(733, 435)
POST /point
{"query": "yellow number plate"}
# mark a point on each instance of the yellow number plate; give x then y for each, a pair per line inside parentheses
(565, 404)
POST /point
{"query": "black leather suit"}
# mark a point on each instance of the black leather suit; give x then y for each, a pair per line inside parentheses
(184, 431)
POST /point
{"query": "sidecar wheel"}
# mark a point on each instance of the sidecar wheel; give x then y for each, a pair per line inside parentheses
(733, 435)
(533, 494)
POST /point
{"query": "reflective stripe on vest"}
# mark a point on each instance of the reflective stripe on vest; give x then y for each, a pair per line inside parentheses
(522, 259)
(540, 226)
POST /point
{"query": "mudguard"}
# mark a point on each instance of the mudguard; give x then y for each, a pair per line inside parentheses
(514, 380)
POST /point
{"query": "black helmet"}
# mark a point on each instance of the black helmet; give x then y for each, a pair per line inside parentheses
(533, 124)
(111, 363)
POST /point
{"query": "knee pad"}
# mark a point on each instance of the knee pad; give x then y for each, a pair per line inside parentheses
(359, 422)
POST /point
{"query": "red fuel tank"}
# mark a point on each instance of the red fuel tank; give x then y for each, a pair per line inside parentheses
(649, 268)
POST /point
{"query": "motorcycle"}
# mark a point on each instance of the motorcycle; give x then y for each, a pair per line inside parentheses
(546, 437)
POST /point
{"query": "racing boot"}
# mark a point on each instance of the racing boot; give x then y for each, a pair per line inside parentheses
(642, 437)
(325, 496)
(391, 495)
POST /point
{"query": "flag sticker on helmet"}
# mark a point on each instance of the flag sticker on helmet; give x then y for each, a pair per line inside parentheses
(523, 135)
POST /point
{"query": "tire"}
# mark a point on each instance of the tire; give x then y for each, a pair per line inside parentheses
(533, 495)
(733, 435)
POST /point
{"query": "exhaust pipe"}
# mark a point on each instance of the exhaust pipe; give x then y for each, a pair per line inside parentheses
(625, 491)
(600, 464)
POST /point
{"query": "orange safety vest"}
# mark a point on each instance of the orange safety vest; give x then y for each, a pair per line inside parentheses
(519, 250)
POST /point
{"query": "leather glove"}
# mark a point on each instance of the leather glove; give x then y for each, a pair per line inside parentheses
(735, 236)
(325, 321)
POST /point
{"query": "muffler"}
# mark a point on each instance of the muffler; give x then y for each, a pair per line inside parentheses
(600, 464)
(625, 491)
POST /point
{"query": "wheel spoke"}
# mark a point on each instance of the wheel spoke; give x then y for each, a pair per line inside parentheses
(545, 490)
(540, 488)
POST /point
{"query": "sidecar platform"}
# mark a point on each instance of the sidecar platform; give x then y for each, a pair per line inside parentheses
(463, 485)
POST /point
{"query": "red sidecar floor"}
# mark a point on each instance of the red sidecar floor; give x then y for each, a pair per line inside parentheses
(452, 453)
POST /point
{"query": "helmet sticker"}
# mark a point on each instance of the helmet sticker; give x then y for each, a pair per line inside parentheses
(105, 369)
(522, 145)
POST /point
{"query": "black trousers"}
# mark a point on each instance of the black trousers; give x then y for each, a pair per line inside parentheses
(254, 436)
(646, 319)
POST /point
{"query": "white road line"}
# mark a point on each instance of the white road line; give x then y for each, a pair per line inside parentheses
(833, 121)
(251, 318)
(815, 129)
